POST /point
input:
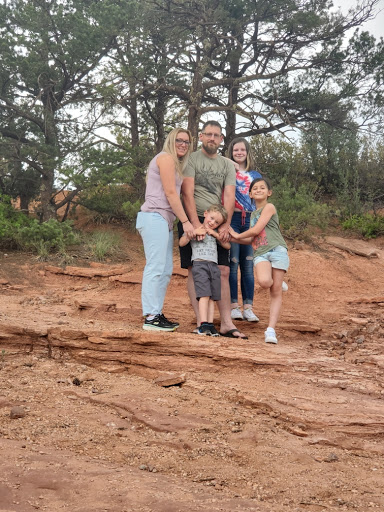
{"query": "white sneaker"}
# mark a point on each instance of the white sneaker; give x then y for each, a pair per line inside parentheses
(284, 286)
(270, 336)
(249, 315)
(236, 314)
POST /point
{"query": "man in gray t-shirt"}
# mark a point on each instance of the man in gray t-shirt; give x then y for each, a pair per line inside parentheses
(210, 178)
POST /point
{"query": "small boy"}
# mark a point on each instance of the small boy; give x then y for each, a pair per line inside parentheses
(205, 271)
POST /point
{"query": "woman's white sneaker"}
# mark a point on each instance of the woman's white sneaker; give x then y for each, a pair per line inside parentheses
(270, 336)
(236, 314)
(249, 315)
(284, 286)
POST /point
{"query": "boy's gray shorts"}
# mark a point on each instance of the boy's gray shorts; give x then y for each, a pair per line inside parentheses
(207, 276)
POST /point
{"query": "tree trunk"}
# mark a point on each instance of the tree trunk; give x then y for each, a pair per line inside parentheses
(135, 139)
(196, 97)
(24, 203)
(49, 159)
(233, 94)
(159, 118)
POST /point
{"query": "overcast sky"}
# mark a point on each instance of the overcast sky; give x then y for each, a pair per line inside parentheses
(376, 26)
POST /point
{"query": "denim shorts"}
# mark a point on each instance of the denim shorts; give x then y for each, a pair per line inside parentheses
(277, 257)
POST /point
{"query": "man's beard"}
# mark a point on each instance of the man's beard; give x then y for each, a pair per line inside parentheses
(211, 150)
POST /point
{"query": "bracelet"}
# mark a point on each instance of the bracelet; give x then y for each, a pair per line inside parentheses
(185, 221)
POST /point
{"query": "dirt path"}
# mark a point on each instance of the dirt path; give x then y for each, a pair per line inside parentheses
(293, 427)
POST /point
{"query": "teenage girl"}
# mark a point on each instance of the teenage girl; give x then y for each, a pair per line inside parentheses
(241, 256)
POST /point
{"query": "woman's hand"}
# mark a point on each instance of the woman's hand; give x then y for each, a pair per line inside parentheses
(189, 232)
(224, 234)
(200, 233)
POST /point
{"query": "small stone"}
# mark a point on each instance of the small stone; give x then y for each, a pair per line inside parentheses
(17, 412)
(360, 339)
(76, 381)
(332, 457)
(170, 380)
(143, 467)
(360, 321)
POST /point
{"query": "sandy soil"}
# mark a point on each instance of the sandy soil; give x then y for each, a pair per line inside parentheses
(86, 424)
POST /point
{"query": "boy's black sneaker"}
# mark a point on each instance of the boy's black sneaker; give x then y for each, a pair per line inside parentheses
(204, 330)
(213, 330)
(176, 324)
(158, 323)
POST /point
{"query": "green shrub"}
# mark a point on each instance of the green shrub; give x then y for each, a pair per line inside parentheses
(107, 203)
(103, 244)
(298, 210)
(46, 237)
(367, 225)
(11, 221)
(130, 210)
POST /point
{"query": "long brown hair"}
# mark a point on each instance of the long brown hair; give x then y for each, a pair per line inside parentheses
(249, 162)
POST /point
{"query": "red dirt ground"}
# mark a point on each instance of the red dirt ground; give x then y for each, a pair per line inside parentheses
(250, 427)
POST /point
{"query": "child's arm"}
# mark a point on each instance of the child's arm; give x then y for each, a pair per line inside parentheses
(183, 241)
(243, 241)
(226, 245)
(264, 218)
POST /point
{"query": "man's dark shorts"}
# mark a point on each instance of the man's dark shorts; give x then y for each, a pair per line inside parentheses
(207, 279)
(186, 251)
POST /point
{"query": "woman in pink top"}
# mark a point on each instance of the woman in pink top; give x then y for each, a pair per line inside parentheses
(155, 224)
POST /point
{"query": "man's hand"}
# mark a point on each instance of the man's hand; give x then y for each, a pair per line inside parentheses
(224, 233)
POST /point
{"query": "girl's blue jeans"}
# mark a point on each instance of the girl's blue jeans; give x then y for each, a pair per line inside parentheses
(158, 248)
(241, 256)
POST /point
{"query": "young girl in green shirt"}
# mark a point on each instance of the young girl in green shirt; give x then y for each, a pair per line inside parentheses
(270, 256)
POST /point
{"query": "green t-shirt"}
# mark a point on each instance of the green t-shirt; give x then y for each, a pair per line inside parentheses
(211, 176)
(270, 237)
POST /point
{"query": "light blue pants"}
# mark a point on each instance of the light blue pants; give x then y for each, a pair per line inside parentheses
(158, 248)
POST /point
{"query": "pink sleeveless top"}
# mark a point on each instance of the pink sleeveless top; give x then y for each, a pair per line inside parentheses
(155, 198)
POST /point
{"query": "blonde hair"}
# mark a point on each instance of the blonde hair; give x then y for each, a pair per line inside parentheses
(170, 148)
(219, 208)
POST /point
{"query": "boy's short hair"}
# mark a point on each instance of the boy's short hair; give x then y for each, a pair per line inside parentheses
(220, 209)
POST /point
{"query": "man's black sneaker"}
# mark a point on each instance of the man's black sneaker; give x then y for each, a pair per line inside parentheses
(176, 324)
(158, 323)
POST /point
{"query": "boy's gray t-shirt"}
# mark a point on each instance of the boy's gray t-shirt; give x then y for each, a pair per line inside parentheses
(204, 250)
(211, 176)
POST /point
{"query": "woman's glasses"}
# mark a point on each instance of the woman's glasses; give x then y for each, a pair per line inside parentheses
(181, 142)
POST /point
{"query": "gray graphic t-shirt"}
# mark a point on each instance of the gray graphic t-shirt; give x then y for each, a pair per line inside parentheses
(205, 249)
(211, 176)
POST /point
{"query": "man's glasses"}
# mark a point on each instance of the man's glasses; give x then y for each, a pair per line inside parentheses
(212, 135)
(180, 142)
